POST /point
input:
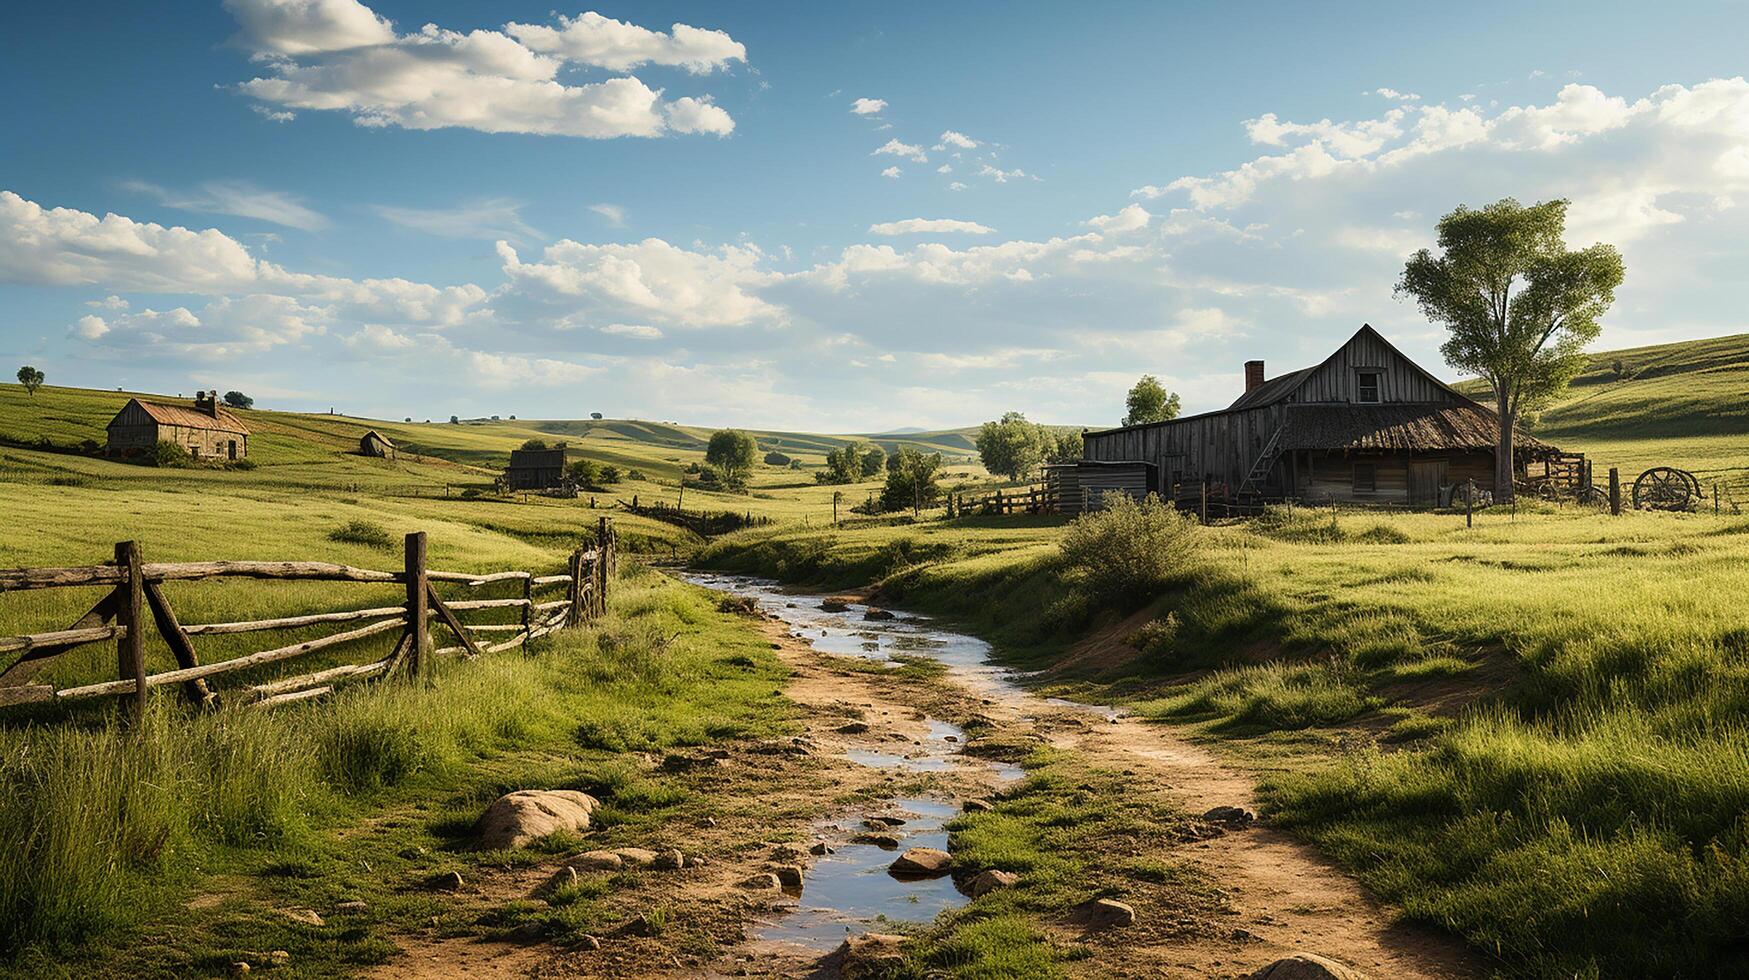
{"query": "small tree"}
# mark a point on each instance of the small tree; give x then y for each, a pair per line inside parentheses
(1012, 446)
(237, 399)
(1149, 401)
(585, 472)
(31, 379)
(608, 475)
(536, 445)
(453, 420)
(775, 458)
(732, 453)
(874, 459)
(1520, 306)
(843, 465)
(911, 477)
(1067, 447)
(594, 415)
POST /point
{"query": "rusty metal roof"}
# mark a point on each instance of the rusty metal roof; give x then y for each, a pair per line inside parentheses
(1414, 428)
(190, 418)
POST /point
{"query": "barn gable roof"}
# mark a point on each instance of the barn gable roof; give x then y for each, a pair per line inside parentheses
(1400, 428)
(186, 417)
(1276, 389)
(378, 436)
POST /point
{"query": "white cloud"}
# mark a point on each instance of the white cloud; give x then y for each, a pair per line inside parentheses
(955, 186)
(511, 371)
(1396, 96)
(636, 331)
(1001, 176)
(953, 139)
(490, 219)
(946, 168)
(892, 173)
(615, 215)
(110, 302)
(336, 55)
(868, 107)
(909, 151)
(921, 226)
(376, 338)
(223, 328)
(647, 280)
(591, 39)
(1134, 217)
(236, 197)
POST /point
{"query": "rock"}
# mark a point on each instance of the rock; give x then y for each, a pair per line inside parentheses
(696, 861)
(878, 614)
(852, 728)
(517, 819)
(1306, 966)
(671, 860)
(820, 849)
(635, 857)
(279, 957)
(988, 881)
(762, 881)
(922, 862)
(1102, 913)
(563, 878)
(870, 954)
(886, 842)
(597, 861)
(1231, 815)
(306, 916)
(877, 822)
(351, 907)
(788, 875)
(975, 806)
(788, 853)
(587, 941)
(833, 605)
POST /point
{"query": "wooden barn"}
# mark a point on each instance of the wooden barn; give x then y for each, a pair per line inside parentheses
(206, 430)
(374, 443)
(1365, 425)
(537, 469)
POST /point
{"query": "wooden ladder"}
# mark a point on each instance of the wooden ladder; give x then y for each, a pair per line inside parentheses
(1265, 461)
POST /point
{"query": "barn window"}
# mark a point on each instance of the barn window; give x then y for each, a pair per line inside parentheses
(1369, 386)
(1366, 477)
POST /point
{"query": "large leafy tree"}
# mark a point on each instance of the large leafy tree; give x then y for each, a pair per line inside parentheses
(1519, 304)
(237, 399)
(1013, 447)
(1149, 401)
(31, 378)
(911, 480)
(733, 453)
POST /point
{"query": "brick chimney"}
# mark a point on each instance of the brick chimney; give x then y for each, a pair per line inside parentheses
(1253, 375)
(208, 402)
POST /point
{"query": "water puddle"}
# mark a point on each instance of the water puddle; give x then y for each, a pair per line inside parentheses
(850, 891)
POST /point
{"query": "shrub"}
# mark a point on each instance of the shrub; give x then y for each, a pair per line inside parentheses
(362, 532)
(243, 464)
(170, 454)
(608, 474)
(1126, 552)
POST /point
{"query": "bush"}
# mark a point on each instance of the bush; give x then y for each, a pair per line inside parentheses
(243, 464)
(608, 475)
(171, 455)
(1126, 552)
(362, 532)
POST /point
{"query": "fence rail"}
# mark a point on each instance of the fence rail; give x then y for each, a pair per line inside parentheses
(1013, 500)
(135, 593)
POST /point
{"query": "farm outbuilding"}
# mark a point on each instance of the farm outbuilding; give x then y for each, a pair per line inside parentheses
(537, 469)
(374, 443)
(206, 430)
(1365, 425)
(1083, 484)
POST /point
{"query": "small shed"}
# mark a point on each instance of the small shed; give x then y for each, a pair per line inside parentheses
(374, 443)
(537, 469)
(1083, 484)
(206, 430)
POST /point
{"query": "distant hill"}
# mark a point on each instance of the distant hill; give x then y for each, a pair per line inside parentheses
(1683, 404)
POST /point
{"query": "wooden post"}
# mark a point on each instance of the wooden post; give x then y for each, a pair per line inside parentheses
(130, 650)
(1469, 502)
(604, 562)
(418, 606)
(180, 645)
(1715, 500)
(1615, 491)
(574, 615)
(527, 610)
(1205, 501)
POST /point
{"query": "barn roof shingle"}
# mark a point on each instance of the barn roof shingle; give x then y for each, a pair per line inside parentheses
(1416, 428)
(192, 419)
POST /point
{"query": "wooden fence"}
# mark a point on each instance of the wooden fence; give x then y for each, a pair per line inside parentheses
(1014, 500)
(135, 591)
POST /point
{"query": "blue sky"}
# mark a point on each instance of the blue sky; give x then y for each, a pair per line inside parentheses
(675, 211)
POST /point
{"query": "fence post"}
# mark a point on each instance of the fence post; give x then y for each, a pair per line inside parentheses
(130, 650)
(574, 614)
(527, 609)
(1615, 491)
(1205, 501)
(1469, 502)
(604, 563)
(418, 608)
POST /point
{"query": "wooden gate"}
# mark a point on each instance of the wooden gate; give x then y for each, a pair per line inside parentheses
(1426, 476)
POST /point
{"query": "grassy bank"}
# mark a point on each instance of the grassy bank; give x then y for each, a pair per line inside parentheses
(1528, 732)
(107, 835)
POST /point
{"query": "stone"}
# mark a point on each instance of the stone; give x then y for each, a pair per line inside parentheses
(820, 849)
(878, 614)
(527, 815)
(449, 881)
(852, 728)
(870, 954)
(597, 861)
(351, 907)
(1231, 815)
(834, 605)
(1306, 966)
(635, 857)
(922, 862)
(587, 941)
(1103, 913)
(563, 878)
(879, 821)
(696, 860)
(306, 916)
(975, 806)
(762, 881)
(788, 875)
(671, 860)
(990, 880)
(279, 957)
(886, 842)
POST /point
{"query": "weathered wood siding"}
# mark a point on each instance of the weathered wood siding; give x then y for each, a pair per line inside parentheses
(1219, 447)
(1080, 488)
(134, 430)
(1399, 380)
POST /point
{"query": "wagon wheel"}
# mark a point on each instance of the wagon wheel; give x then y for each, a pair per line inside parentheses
(1665, 488)
(1591, 495)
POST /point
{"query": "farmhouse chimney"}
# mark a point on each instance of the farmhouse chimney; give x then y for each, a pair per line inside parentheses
(1253, 374)
(208, 402)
